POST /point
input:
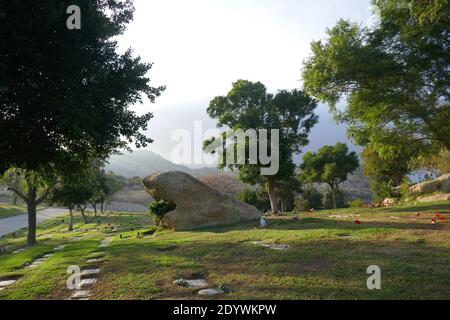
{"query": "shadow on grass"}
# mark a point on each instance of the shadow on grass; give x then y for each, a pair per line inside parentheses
(319, 268)
(321, 223)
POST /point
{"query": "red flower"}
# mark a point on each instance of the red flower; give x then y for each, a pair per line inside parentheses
(433, 220)
(357, 222)
(441, 218)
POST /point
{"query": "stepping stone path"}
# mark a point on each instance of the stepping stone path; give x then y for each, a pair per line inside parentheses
(272, 246)
(19, 250)
(59, 248)
(86, 284)
(197, 283)
(81, 295)
(105, 242)
(90, 272)
(6, 283)
(36, 263)
(209, 292)
(74, 239)
(95, 260)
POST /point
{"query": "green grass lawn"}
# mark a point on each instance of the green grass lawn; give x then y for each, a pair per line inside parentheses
(9, 210)
(327, 258)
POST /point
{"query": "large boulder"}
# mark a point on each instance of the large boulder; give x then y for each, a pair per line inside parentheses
(197, 204)
(435, 197)
(441, 184)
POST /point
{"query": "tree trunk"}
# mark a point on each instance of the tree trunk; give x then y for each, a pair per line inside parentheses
(333, 193)
(82, 209)
(14, 199)
(31, 237)
(283, 206)
(102, 207)
(272, 196)
(70, 227)
(94, 206)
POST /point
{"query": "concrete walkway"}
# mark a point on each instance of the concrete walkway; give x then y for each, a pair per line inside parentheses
(12, 224)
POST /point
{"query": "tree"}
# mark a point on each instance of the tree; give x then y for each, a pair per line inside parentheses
(310, 198)
(111, 185)
(394, 77)
(33, 187)
(286, 191)
(71, 195)
(330, 165)
(248, 106)
(65, 94)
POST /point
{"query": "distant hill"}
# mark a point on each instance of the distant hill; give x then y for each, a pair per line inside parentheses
(142, 163)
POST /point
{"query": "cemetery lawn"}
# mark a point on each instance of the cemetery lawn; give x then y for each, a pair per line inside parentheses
(327, 258)
(9, 210)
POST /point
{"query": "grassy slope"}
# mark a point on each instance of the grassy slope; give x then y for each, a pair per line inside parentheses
(9, 210)
(328, 258)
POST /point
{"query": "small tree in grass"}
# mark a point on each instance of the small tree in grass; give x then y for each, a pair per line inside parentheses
(329, 165)
(159, 208)
(71, 196)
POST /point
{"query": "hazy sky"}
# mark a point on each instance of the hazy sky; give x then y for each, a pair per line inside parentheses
(199, 47)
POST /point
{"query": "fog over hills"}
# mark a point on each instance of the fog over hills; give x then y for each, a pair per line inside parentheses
(142, 163)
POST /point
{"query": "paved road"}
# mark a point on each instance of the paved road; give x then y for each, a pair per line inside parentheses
(11, 224)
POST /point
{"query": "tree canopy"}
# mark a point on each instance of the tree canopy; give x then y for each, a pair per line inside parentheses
(64, 93)
(393, 77)
(248, 105)
(330, 165)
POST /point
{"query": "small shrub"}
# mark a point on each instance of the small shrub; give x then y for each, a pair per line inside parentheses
(357, 203)
(159, 208)
(311, 198)
(181, 282)
(328, 200)
(257, 198)
(224, 288)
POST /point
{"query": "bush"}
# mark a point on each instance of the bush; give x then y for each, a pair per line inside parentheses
(328, 200)
(311, 198)
(159, 208)
(357, 203)
(257, 198)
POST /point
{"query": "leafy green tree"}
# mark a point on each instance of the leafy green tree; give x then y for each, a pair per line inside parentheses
(33, 187)
(285, 192)
(330, 165)
(394, 76)
(255, 197)
(71, 195)
(248, 106)
(333, 200)
(65, 94)
(310, 198)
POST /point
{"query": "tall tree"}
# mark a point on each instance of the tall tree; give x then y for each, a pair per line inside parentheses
(394, 76)
(330, 165)
(65, 94)
(248, 106)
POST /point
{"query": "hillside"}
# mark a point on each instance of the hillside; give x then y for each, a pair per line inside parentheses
(142, 163)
